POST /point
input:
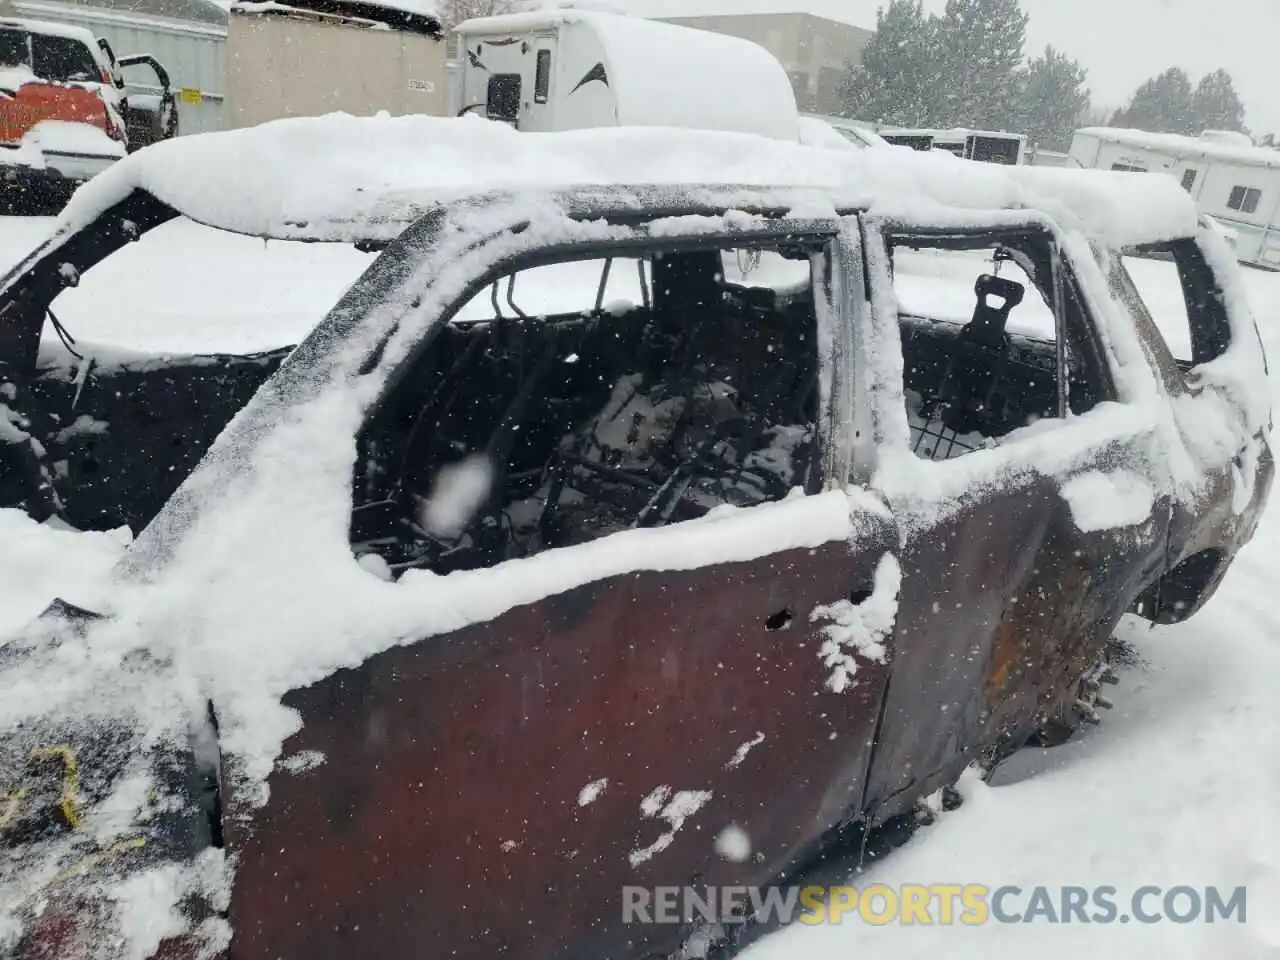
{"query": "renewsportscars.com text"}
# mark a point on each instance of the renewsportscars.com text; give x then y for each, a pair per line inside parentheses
(935, 904)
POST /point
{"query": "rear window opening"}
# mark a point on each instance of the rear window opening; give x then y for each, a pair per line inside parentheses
(159, 346)
(533, 421)
(1172, 286)
(188, 288)
(980, 339)
(53, 58)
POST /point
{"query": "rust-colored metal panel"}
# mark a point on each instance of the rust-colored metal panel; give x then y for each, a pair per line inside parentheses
(446, 820)
(1005, 606)
(959, 578)
(1082, 584)
(34, 103)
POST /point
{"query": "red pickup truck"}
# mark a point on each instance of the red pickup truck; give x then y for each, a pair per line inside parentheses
(65, 114)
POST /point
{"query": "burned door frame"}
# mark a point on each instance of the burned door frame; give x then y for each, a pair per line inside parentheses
(1005, 600)
(1226, 513)
(534, 702)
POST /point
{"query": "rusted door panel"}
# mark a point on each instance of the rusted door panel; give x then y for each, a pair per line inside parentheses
(1082, 584)
(1005, 605)
(958, 579)
(446, 820)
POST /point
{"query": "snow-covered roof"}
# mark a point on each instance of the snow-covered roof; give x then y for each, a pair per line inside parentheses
(411, 15)
(667, 75)
(199, 11)
(49, 28)
(952, 133)
(345, 178)
(1185, 147)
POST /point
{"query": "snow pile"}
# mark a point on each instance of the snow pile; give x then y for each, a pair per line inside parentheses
(13, 77)
(60, 136)
(43, 561)
(42, 145)
(1104, 501)
(860, 630)
(340, 177)
(819, 133)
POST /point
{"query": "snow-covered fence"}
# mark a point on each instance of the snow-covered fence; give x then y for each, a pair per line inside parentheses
(192, 49)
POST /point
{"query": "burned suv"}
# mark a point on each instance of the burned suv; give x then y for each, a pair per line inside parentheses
(453, 621)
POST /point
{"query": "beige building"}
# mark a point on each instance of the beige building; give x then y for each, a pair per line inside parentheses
(299, 62)
(815, 51)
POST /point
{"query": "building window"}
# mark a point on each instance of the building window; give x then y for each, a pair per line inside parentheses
(542, 81)
(1244, 199)
(1188, 180)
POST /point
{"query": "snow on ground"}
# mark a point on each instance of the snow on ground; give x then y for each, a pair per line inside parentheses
(1178, 786)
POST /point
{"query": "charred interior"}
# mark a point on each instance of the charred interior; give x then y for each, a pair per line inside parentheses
(971, 382)
(515, 434)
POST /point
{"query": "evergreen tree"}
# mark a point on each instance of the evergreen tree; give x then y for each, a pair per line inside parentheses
(979, 45)
(1054, 101)
(454, 12)
(896, 82)
(1163, 104)
(1215, 104)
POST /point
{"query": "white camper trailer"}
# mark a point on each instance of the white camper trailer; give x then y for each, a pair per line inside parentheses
(1235, 183)
(573, 69)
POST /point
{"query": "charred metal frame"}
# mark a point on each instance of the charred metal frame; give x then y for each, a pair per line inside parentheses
(1039, 599)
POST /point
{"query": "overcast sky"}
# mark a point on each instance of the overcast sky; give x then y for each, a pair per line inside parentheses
(1121, 42)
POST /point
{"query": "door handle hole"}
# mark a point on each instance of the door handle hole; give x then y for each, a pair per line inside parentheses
(779, 621)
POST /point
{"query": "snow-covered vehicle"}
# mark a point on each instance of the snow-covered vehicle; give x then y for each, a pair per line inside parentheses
(472, 612)
(64, 112)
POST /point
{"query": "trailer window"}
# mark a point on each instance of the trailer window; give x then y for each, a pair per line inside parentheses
(1188, 180)
(995, 150)
(542, 82)
(1244, 199)
(504, 97)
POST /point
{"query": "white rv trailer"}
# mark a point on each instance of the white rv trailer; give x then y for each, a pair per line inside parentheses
(571, 69)
(987, 146)
(1235, 184)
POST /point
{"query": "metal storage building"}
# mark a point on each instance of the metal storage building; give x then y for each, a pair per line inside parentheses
(188, 36)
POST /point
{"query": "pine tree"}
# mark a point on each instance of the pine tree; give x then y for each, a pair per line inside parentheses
(454, 12)
(1054, 100)
(1215, 104)
(1163, 104)
(896, 83)
(980, 50)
